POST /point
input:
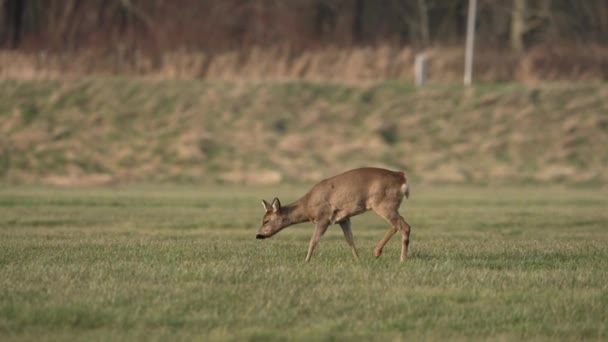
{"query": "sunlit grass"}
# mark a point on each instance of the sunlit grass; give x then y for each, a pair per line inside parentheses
(165, 262)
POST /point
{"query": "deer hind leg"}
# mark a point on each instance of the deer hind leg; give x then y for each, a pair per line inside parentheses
(397, 224)
(320, 229)
(348, 235)
(389, 234)
(405, 237)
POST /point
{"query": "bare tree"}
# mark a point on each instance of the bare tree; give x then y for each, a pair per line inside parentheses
(528, 17)
(13, 11)
(358, 10)
(518, 25)
(423, 12)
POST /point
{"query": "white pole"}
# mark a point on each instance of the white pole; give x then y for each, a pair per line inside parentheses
(468, 58)
(420, 69)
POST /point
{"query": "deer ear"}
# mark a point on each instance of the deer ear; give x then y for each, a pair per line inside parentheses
(276, 205)
(266, 205)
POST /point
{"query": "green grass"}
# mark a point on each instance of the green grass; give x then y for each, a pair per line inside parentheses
(181, 263)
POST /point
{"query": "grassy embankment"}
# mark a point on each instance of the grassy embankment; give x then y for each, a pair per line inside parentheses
(181, 263)
(113, 130)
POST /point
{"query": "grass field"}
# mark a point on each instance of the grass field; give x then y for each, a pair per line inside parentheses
(182, 263)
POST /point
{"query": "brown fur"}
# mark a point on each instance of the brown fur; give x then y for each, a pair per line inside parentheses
(336, 199)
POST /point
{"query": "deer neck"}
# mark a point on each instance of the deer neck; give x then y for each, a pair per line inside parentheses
(295, 213)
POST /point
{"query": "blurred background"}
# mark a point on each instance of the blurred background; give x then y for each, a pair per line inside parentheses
(237, 91)
(342, 40)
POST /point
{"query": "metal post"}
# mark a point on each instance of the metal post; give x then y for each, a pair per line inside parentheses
(468, 59)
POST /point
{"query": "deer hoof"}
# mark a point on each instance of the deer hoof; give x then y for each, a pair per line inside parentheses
(377, 252)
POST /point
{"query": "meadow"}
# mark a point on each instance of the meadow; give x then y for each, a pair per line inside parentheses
(180, 262)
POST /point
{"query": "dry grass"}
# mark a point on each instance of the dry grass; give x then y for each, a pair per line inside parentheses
(116, 131)
(347, 65)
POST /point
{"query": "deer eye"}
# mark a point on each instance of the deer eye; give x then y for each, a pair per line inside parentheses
(265, 221)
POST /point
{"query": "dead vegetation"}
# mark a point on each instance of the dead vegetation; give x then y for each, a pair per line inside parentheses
(118, 130)
(354, 65)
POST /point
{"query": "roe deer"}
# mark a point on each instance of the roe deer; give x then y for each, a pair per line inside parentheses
(336, 199)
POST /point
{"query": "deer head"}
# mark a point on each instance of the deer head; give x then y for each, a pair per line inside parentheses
(273, 221)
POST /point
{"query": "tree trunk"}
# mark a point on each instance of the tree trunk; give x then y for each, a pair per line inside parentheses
(358, 11)
(424, 22)
(13, 18)
(518, 25)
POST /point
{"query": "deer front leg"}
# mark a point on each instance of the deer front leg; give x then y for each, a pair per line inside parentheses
(320, 229)
(348, 235)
